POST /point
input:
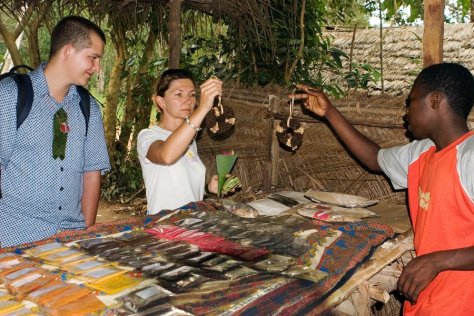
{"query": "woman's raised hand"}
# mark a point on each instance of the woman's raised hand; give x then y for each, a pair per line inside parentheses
(210, 89)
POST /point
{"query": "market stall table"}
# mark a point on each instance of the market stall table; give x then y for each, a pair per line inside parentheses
(274, 265)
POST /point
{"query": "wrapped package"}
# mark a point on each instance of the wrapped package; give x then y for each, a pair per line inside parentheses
(87, 305)
(144, 298)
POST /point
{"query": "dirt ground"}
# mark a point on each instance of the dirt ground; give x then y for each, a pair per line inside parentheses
(109, 212)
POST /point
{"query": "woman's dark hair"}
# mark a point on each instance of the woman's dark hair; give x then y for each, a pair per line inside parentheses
(453, 80)
(169, 76)
(73, 30)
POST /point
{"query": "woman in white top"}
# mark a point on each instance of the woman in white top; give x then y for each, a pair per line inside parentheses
(174, 174)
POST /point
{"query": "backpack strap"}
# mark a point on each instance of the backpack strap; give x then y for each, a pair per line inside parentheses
(24, 101)
(85, 104)
(25, 98)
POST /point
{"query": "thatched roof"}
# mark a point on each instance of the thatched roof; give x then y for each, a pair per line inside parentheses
(402, 52)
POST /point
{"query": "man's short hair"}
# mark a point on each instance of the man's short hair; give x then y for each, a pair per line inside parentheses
(73, 30)
(453, 80)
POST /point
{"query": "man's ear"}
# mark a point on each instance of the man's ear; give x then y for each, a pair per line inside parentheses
(67, 50)
(436, 98)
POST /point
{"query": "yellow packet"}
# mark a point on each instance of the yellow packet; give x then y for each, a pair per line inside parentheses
(10, 263)
(22, 287)
(66, 296)
(101, 274)
(59, 256)
(9, 306)
(45, 249)
(65, 262)
(22, 312)
(15, 267)
(115, 284)
(87, 305)
(48, 291)
(22, 273)
(4, 296)
(85, 266)
(7, 256)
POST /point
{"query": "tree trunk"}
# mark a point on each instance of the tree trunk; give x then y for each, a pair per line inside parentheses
(32, 35)
(175, 33)
(299, 53)
(10, 38)
(136, 87)
(113, 91)
(13, 50)
(472, 11)
(433, 32)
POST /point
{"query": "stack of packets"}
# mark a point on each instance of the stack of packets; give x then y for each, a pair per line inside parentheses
(203, 247)
(145, 272)
(34, 280)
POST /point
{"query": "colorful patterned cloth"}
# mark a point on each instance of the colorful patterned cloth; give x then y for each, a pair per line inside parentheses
(336, 249)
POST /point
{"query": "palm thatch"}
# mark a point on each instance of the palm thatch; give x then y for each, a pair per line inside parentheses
(321, 162)
(402, 52)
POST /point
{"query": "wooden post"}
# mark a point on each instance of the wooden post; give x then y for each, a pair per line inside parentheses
(433, 32)
(274, 145)
(174, 40)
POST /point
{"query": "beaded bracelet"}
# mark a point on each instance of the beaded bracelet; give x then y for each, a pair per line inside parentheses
(194, 127)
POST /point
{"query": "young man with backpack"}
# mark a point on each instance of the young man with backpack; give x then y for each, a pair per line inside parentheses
(53, 151)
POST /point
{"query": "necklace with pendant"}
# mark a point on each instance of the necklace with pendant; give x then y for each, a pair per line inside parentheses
(60, 132)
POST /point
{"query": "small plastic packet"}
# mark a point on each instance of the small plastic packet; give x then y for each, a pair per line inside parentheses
(225, 265)
(157, 268)
(101, 274)
(202, 256)
(216, 260)
(60, 256)
(64, 262)
(45, 249)
(253, 254)
(190, 281)
(275, 263)
(87, 305)
(89, 244)
(47, 291)
(85, 266)
(164, 309)
(66, 296)
(193, 251)
(16, 265)
(21, 288)
(177, 273)
(23, 311)
(9, 263)
(9, 306)
(240, 272)
(144, 298)
(7, 256)
(21, 273)
(305, 273)
(4, 295)
(115, 284)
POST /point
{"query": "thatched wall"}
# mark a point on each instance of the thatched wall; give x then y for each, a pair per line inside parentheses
(321, 162)
(402, 52)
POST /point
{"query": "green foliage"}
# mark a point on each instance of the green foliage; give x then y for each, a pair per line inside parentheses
(407, 12)
(125, 177)
(360, 75)
(259, 58)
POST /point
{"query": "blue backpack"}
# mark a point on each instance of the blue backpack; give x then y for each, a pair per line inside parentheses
(25, 97)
